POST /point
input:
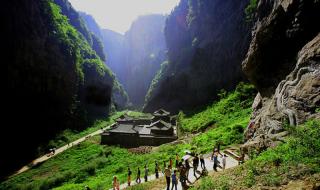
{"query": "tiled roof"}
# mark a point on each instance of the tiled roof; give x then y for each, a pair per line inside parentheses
(160, 125)
(145, 130)
(161, 112)
(122, 128)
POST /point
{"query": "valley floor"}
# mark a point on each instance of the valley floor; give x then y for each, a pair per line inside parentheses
(94, 165)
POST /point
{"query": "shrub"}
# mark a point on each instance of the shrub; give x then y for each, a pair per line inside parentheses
(249, 179)
(272, 179)
(206, 183)
(90, 169)
(251, 9)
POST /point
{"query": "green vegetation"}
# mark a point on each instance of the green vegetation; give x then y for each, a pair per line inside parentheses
(231, 109)
(89, 65)
(156, 79)
(251, 9)
(224, 120)
(298, 157)
(69, 135)
(92, 164)
(88, 163)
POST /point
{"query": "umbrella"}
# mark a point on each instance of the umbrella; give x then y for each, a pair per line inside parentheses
(186, 157)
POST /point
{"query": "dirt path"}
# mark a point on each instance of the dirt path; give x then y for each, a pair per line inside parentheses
(58, 151)
(230, 162)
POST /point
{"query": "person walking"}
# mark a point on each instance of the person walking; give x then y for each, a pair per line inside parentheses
(177, 160)
(183, 177)
(224, 161)
(218, 147)
(214, 150)
(156, 170)
(146, 171)
(180, 163)
(115, 183)
(138, 180)
(129, 176)
(167, 173)
(174, 180)
(203, 166)
(215, 162)
(187, 166)
(170, 163)
(195, 164)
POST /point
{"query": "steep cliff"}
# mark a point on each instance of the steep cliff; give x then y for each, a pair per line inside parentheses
(91, 24)
(113, 47)
(283, 62)
(55, 79)
(111, 50)
(136, 56)
(144, 51)
(206, 40)
(77, 22)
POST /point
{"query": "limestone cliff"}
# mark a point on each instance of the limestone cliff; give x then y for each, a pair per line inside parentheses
(207, 41)
(283, 62)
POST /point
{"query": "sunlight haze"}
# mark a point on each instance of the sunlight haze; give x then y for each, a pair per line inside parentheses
(118, 15)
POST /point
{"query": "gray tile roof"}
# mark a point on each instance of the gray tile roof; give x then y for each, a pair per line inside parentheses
(123, 128)
(145, 130)
(161, 112)
(141, 129)
(160, 125)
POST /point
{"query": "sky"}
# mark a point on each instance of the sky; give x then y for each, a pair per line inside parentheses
(117, 15)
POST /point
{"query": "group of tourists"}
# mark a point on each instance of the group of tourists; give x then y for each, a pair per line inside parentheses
(182, 166)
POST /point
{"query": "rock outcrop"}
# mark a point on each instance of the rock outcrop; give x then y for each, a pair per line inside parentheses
(283, 62)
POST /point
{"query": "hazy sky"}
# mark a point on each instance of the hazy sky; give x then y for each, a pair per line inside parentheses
(118, 15)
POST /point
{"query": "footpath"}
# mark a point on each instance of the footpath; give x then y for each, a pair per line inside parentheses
(58, 151)
(231, 161)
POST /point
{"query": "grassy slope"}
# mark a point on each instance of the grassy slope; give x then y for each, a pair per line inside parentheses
(71, 135)
(297, 158)
(226, 119)
(94, 165)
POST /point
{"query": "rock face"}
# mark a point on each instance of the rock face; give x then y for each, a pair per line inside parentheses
(112, 49)
(283, 62)
(134, 57)
(144, 50)
(206, 41)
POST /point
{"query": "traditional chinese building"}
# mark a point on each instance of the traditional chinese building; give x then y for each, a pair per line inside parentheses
(134, 132)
